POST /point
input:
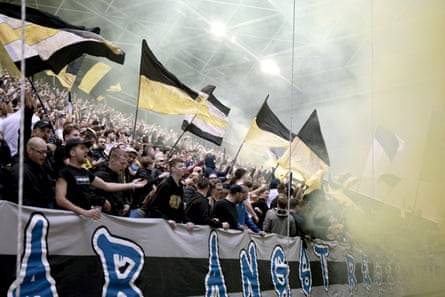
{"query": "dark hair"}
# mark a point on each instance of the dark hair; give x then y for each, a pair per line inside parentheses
(173, 162)
(203, 183)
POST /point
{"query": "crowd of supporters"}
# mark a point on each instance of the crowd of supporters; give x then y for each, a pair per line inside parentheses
(87, 160)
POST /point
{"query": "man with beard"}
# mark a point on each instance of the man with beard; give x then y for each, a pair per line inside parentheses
(73, 191)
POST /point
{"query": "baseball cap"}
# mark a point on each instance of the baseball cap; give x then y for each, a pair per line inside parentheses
(89, 132)
(70, 144)
(42, 124)
(236, 189)
(129, 149)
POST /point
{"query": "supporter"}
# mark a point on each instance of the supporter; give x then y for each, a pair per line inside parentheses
(130, 173)
(159, 166)
(225, 209)
(5, 152)
(294, 209)
(110, 136)
(198, 208)
(278, 219)
(259, 205)
(273, 191)
(73, 190)
(38, 189)
(168, 201)
(113, 173)
(100, 157)
(210, 166)
(190, 186)
(216, 194)
(244, 220)
(70, 131)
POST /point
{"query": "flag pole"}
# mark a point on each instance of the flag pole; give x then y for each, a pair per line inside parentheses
(236, 157)
(41, 103)
(136, 114)
(179, 138)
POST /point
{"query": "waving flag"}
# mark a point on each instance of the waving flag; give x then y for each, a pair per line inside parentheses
(308, 154)
(161, 91)
(267, 130)
(50, 43)
(67, 76)
(212, 127)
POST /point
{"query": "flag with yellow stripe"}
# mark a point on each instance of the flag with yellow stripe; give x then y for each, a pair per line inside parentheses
(50, 43)
(267, 130)
(212, 125)
(308, 154)
(161, 91)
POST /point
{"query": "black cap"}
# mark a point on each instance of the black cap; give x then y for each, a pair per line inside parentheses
(237, 189)
(70, 144)
(89, 132)
(42, 124)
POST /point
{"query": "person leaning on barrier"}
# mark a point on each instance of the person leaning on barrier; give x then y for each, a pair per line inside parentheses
(168, 202)
(112, 172)
(73, 191)
(198, 208)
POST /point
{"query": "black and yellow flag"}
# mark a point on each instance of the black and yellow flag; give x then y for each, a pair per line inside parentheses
(50, 43)
(67, 76)
(308, 154)
(161, 91)
(213, 126)
(267, 130)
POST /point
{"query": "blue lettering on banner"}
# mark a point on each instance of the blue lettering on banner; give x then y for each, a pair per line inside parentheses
(352, 280)
(365, 271)
(122, 261)
(305, 270)
(280, 272)
(34, 277)
(214, 281)
(322, 251)
(249, 271)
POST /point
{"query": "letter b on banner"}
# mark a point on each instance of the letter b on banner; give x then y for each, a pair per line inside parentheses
(122, 262)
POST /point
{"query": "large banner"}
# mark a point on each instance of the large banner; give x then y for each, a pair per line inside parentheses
(63, 254)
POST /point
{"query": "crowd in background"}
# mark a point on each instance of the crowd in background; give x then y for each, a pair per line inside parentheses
(84, 157)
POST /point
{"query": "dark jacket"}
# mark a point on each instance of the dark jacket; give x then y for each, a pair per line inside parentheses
(168, 202)
(37, 187)
(198, 211)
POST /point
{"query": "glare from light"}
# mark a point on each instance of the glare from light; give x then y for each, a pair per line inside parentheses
(233, 39)
(218, 29)
(270, 67)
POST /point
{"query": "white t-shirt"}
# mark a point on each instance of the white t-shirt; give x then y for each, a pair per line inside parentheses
(10, 126)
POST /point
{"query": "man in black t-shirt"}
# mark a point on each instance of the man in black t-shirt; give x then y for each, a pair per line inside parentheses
(225, 209)
(73, 190)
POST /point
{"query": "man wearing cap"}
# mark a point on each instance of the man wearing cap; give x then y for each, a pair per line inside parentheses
(225, 209)
(73, 190)
(42, 129)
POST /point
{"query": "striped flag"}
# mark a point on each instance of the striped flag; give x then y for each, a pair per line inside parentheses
(50, 43)
(267, 130)
(308, 154)
(67, 76)
(161, 91)
(215, 129)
